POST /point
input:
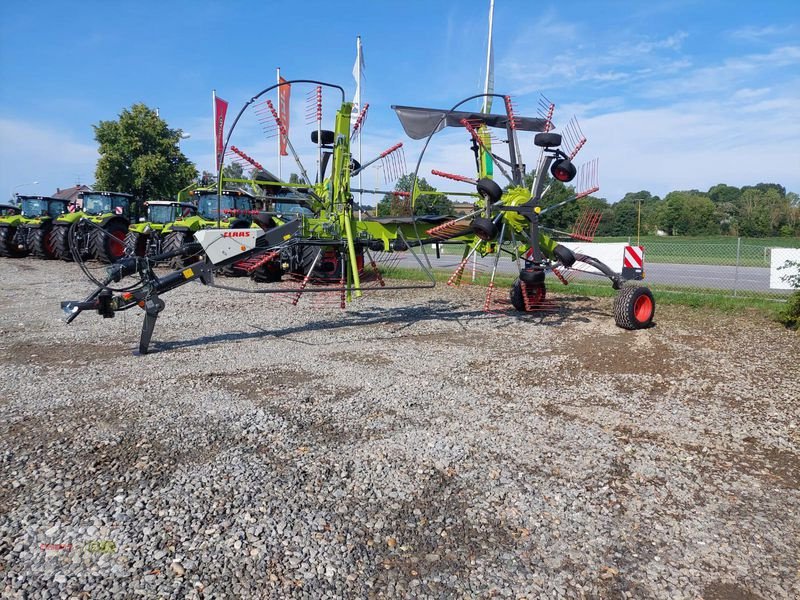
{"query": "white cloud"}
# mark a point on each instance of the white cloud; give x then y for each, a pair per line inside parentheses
(693, 146)
(752, 33)
(36, 152)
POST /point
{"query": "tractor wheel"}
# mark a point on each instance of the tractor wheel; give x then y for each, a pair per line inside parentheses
(40, 242)
(634, 307)
(8, 243)
(174, 241)
(535, 293)
(108, 244)
(135, 244)
(60, 241)
(6, 235)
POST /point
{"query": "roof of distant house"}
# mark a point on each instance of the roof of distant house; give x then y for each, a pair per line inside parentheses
(72, 192)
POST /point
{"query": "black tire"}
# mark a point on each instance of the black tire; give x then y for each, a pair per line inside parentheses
(266, 275)
(60, 241)
(489, 190)
(634, 307)
(536, 293)
(135, 244)
(484, 228)
(547, 140)
(108, 244)
(40, 242)
(531, 276)
(6, 236)
(175, 241)
(565, 255)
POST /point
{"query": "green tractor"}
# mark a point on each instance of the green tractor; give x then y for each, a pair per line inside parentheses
(36, 231)
(233, 209)
(146, 238)
(10, 220)
(98, 229)
(8, 210)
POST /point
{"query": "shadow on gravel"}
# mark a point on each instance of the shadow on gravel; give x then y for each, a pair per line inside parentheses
(566, 310)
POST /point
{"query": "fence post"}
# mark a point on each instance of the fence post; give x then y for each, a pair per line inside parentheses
(736, 273)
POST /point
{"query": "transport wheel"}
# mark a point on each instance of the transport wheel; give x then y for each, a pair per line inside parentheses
(634, 307)
(484, 228)
(534, 293)
(489, 190)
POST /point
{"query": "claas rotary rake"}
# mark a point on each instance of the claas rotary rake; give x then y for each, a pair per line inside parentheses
(323, 247)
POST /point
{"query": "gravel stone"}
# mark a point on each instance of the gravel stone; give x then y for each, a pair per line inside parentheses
(409, 446)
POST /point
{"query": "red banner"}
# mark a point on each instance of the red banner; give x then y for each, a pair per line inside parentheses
(220, 109)
(283, 107)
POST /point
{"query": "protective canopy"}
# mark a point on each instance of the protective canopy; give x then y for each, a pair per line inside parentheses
(419, 123)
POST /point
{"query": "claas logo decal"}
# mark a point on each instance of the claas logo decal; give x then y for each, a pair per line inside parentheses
(236, 234)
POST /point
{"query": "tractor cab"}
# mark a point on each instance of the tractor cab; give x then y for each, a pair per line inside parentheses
(106, 203)
(292, 204)
(36, 230)
(162, 212)
(230, 204)
(35, 207)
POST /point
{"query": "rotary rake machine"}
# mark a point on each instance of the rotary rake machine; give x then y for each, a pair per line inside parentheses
(323, 247)
(507, 221)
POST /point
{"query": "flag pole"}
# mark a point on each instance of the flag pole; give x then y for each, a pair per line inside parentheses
(214, 129)
(488, 84)
(280, 159)
(358, 87)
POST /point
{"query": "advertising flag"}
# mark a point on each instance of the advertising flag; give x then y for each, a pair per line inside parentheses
(284, 92)
(220, 110)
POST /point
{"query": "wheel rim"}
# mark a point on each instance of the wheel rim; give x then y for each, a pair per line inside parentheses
(643, 309)
(116, 244)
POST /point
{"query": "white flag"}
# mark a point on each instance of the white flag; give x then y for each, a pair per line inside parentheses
(358, 70)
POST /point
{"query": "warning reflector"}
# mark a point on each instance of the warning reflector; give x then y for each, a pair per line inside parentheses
(633, 262)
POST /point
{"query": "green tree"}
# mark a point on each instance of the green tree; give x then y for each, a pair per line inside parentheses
(140, 155)
(207, 179)
(232, 170)
(633, 208)
(425, 204)
(723, 193)
(688, 213)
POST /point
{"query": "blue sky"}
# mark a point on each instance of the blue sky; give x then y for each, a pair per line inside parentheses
(671, 95)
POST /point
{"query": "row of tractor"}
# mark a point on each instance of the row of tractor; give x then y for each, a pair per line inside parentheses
(106, 226)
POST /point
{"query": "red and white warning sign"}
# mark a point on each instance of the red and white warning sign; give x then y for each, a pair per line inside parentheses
(633, 262)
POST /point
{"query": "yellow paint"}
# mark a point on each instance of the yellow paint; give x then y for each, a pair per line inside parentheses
(187, 273)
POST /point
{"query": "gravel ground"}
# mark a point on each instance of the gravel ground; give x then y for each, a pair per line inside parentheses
(410, 446)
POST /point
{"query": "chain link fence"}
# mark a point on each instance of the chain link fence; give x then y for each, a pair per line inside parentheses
(738, 267)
